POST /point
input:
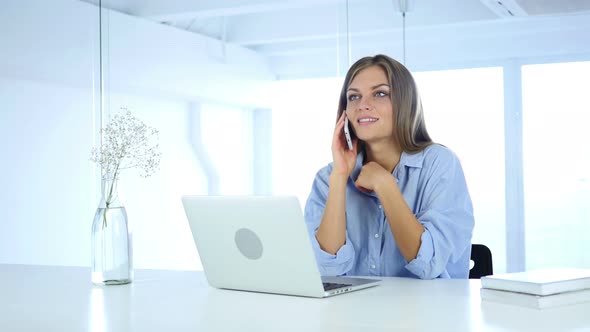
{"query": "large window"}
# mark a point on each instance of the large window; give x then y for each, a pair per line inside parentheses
(464, 110)
(556, 164)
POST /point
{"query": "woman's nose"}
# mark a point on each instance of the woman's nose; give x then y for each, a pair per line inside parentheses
(364, 105)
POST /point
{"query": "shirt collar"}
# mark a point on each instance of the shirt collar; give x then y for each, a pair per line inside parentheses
(407, 159)
(412, 159)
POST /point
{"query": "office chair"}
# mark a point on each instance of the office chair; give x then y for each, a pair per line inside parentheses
(482, 259)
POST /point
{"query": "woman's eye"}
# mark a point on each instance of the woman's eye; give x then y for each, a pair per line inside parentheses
(353, 97)
(381, 94)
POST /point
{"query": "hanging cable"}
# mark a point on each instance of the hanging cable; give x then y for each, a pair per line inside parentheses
(403, 6)
(100, 58)
(404, 35)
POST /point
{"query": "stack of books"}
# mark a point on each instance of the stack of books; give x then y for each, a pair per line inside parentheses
(538, 288)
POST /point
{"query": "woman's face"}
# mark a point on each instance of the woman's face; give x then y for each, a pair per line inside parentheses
(369, 108)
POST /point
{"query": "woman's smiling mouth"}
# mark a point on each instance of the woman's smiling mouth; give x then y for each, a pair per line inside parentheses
(367, 120)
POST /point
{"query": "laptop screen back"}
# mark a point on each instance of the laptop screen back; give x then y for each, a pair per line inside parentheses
(254, 243)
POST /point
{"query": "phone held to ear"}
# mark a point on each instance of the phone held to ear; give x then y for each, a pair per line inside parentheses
(347, 133)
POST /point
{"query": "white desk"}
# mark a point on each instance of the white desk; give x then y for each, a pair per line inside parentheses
(44, 298)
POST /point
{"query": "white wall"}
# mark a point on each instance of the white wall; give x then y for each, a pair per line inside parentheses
(47, 200)
(46, 129)
(49, 119)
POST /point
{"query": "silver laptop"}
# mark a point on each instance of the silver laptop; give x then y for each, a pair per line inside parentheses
(260, 244)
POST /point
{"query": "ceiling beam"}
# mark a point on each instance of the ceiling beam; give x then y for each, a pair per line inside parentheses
(178, 10)
(329, 21)
(258, 34)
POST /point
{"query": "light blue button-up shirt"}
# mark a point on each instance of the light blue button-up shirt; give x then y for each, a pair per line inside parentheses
(433, 185)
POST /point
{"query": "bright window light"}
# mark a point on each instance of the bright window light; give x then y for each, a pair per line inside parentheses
(556, 164)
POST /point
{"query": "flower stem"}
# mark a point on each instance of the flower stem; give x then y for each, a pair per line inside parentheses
(111, 185)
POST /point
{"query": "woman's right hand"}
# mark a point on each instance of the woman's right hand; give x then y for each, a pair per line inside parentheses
(344, 159)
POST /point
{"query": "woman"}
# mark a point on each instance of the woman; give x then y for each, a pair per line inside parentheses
(396, 204)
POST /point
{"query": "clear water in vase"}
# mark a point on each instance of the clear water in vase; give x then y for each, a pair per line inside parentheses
(111, 247)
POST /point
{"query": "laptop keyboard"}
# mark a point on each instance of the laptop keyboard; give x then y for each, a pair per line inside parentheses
(332, 285)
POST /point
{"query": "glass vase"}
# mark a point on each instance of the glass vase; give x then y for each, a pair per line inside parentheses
(111, 240)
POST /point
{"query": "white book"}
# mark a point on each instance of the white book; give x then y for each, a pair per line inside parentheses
(540, 282)
(535, 301)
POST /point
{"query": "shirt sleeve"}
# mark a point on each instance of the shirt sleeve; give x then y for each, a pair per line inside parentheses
(447, 216)
(328, 264)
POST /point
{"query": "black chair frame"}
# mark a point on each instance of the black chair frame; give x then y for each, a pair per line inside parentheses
(481, 256)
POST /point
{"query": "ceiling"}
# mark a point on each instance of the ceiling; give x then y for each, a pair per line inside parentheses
(307, 35)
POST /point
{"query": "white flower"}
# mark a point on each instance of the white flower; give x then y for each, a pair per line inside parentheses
(127, 142)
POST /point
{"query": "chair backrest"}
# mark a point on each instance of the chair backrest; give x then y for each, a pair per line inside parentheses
(482, 259)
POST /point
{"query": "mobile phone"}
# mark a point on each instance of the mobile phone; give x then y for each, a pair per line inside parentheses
(347, 133)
